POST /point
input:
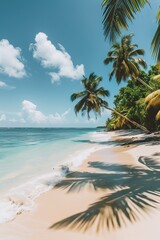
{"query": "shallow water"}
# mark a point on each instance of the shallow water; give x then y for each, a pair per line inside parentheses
(31, 159)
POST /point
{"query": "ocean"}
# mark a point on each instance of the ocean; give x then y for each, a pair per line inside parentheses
(33, 160)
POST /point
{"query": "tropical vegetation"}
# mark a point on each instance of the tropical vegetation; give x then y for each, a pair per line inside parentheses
(132, 100)
(138, 103)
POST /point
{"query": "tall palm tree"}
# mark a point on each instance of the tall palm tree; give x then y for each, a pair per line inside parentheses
(117, 13)
(91, 99)
(126, 60)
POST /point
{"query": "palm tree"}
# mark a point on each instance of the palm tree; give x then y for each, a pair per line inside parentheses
(91, 99)
(126, 60)
(117, 13)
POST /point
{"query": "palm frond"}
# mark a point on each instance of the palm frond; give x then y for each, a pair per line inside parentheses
(81, 105)
(153, 95)
(111, 74)
(141, 62)
(153, 105)
(136, 52)
(158, 116)
(134, 68)
(102, 92)
(75, 96)
(109, 59)
(116, 14)
(156, 78)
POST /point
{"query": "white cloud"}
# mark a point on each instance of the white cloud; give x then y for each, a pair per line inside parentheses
(3, 85)
(10, 60)
(50, 57)
(33, 114)
(36, 116)
(2, 117)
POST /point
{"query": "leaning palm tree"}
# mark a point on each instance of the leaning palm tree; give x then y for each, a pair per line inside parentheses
(126, 61)
(117, 13)
(91, 99)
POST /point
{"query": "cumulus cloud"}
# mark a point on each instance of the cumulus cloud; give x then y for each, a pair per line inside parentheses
(33, 114)
(53, 58)
(10, 60)
(3, 85)
(36, 116)
(2, 117)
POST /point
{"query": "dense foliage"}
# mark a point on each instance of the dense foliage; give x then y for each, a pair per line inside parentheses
(131, 102)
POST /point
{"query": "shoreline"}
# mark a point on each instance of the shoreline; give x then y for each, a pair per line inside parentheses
(79, 190)
(22, 197)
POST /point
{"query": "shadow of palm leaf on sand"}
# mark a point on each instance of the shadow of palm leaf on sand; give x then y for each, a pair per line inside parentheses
(133, 192)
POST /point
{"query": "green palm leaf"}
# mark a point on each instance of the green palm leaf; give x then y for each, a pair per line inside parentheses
(136, 52)
(116, 14)
(125, 60)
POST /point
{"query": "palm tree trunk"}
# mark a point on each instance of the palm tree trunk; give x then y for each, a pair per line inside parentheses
(127, 119)
(141, 81)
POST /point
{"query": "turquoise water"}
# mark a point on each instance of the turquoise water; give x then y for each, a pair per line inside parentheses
(31, 159)
(24, 152)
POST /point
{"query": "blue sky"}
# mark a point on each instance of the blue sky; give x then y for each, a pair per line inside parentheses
(46, 46)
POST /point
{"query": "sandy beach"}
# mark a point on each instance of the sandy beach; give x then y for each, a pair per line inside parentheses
(80, 120)
(113, 195)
